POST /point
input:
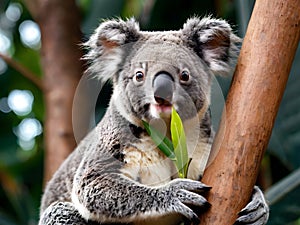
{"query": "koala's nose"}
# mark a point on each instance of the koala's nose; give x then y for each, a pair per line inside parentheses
(163, 85)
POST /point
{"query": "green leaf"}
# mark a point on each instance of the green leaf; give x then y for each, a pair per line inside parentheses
(162, 142)
(176, 149)
(179, 143)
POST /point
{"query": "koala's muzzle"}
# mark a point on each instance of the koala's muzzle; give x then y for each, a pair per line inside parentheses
(163, 86)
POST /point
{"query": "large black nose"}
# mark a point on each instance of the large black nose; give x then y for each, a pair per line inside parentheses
(163, 86)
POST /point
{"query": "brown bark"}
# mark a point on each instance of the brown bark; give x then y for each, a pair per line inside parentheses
(251, 107)
(60, 56)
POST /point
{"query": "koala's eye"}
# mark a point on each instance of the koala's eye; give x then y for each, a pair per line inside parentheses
(139, 76)
(184, 76)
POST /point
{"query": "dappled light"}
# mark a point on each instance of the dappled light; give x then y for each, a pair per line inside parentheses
(26, 131)
(5, 43)
(14, 12)
(30, 34)
(20, 101)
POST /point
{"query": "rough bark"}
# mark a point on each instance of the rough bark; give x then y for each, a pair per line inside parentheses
(251, 107)
(60, 56)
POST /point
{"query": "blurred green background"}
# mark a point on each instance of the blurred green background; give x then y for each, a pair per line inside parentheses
(22, 106)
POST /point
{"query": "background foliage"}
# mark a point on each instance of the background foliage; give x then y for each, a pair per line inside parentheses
(21, 139)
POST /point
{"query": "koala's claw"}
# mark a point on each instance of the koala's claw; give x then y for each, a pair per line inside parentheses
(190, 185)
(185, 193)
(191, 198)
(256, 211)
(188, 213)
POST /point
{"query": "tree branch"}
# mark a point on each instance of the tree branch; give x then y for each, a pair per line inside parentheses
(258, 85)
(59, 22)
(23, 71)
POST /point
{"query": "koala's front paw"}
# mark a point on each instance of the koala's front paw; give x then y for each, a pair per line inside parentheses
(256, 211)
(185, 192)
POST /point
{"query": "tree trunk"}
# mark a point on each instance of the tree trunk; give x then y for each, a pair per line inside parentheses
(251, 107)
(59, 22)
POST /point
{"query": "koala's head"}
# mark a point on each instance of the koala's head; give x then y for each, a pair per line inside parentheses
(153, 71)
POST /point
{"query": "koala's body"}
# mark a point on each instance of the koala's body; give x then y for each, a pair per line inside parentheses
(117, 174)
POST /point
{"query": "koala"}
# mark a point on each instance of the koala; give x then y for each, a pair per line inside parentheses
(117, 175)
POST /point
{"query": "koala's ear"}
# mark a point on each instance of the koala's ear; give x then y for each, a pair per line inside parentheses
(107, 46)
(213, 41)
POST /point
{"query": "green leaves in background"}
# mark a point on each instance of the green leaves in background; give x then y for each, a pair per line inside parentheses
(176, 149)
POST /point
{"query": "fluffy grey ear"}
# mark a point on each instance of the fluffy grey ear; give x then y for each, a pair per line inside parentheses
(108, 45)
(213, 41)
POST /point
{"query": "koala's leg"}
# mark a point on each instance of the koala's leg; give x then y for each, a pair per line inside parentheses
(257, 210)
(62, 213)
(116, 198)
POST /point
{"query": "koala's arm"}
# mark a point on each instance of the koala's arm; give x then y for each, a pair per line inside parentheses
(113, 197)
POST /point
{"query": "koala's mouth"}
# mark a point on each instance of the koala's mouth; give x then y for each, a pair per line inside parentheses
(161, 110)
(166, 109)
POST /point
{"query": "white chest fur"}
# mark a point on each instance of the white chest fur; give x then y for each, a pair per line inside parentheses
(147, 165)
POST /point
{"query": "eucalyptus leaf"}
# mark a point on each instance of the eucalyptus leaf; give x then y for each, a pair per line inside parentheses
(176, 149)
(162, 142)
(179, 143)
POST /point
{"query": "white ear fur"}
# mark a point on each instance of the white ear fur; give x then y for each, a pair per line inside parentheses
(107, 46)
(214, 42)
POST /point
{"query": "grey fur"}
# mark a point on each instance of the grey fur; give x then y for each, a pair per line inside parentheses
(117, 174)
